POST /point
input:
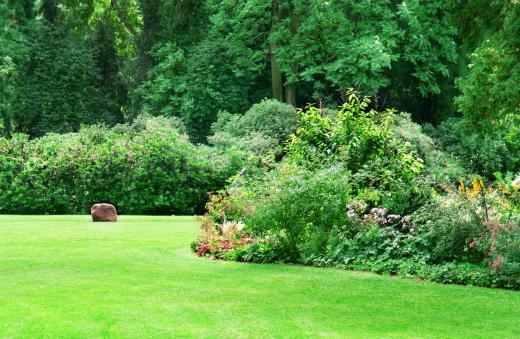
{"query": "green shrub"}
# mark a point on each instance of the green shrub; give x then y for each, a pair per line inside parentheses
(270, 118)
(440, 166)
(299, 207)
(258, 252)
(448, 226)
(497, 149)
(255, 136)
(145, 168)
(404, 199)
(357, 137)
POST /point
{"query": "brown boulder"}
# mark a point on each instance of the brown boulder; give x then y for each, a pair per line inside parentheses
(103, 212)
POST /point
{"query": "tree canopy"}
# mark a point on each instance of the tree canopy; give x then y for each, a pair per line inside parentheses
(65, 63)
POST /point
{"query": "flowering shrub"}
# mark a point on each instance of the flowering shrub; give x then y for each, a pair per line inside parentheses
(352, 193)
(68, 173)
(216, 239)
(376, 215)
(496, 209)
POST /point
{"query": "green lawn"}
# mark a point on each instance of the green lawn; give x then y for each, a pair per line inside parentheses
(64, 276)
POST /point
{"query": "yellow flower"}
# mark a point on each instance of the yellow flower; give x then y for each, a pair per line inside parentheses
(461, 185)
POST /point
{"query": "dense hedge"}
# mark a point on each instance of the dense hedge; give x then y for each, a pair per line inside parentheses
(148, 167)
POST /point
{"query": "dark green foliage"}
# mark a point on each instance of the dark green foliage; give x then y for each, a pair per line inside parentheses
(194, 58)
(144, 168)
(14, 16)
(110, 82)
(180, 22)
(194, 85)
(300, 51)
(319, 49)
(490, 88)
(486, 153)
(57, 71)
(57, 86)
(487, 137)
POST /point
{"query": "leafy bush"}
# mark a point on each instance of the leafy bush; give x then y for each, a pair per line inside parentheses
(495, 150)
(441, 167)
(270, 118)
(70, 172)
(255, 136)
(404, 199)
(257, 252)
(448, 226)
(299, 207)
(357, 137)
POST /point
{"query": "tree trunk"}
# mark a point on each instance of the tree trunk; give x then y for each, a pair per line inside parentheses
(290, 94)
(276, 74)
(6, 122)
(290, 88)
(276, 77)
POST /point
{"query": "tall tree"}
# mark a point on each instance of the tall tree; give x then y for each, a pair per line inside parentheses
(329, 46)
(422, 76)
(56, 86)
(108, 64)
(491, 86)
(15, 16)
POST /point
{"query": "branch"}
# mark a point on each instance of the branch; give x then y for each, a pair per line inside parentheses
(123, 17)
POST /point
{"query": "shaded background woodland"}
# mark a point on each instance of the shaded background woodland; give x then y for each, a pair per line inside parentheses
(64, 64)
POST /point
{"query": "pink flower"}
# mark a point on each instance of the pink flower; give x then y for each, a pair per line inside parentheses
(497, 262)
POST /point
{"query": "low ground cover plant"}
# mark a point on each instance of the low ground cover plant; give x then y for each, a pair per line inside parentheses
(368, 190)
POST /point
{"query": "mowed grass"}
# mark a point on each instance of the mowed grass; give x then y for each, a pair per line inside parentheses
(64, 276)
